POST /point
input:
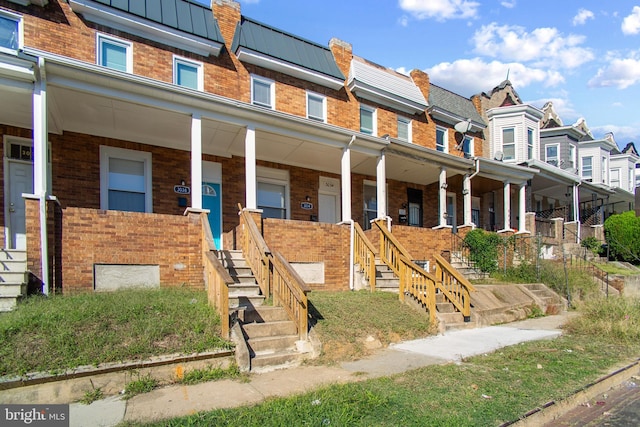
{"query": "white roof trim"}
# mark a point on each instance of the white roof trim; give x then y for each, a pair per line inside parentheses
(271, 63)
(14, 68)
(113, 18)
(378, 85)
(452, 119)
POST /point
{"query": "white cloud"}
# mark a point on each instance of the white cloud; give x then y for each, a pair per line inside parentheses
(543, 46)
(582, 17)
(622, 134)
(403, 21)
(471, 76)
(631, 23)
(620, 73)
(509, 4)
(440, 9)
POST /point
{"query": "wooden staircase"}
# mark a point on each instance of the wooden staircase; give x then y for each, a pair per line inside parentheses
(271, 337)
(13, 277)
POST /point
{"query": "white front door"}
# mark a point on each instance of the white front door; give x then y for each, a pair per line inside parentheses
(20, 180)
(328, 208)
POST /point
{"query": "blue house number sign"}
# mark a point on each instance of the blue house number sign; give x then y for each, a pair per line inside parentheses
(181, 189)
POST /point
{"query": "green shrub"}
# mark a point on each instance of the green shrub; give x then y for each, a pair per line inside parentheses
(622, 232)
(483, 249)
(591, 243)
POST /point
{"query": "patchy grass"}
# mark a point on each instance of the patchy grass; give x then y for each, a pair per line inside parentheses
(210, 373)
(611, 268)
(142, 384)
(58, 332)
(344, 320)
(485, 390)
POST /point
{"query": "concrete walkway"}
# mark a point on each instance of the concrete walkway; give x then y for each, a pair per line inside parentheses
(179, 400)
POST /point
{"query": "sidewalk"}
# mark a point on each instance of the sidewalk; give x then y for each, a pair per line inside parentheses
(179, 400)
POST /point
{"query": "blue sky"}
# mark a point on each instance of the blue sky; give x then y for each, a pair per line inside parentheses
(583, 55)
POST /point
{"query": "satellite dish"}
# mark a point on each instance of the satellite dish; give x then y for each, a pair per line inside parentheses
(499, 155)
(463, 127)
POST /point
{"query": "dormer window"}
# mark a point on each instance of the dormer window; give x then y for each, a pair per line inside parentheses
(508, 144)
(530, 143)
(587, 168)
(551, 155)
(10, 32)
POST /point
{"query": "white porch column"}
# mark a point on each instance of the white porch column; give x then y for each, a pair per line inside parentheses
(40, 173)
(346, 184)
(506, 196)
(466, 194)
(250, 168)
(522, 208)
(576, 203)
(381, 186)
(196, 161)
(442, 197)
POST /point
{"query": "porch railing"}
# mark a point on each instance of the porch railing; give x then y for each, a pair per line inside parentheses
(274, 275)
(421, 284)
(364, 255)
(559, 212)
(217, 280)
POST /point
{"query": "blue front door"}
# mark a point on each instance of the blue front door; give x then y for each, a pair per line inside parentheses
(211, 201)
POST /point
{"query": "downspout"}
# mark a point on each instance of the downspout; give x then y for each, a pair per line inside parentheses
(576, 206)
(352, 255)
(477, 162)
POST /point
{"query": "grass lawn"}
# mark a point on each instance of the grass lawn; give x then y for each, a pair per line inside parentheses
(483, 390)
(53, 333)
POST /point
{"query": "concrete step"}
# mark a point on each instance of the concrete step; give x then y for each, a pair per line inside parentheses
(13, 290)
(451, 318)
(282, 327)
(8, 304)
(13, 255)
(445, 307)
(272, 344)
(264, 314)
(278, 360)
(13, 265)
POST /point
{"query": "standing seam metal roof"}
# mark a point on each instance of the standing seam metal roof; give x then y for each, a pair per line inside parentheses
(453, 103)
(278, 44)
(183, 15)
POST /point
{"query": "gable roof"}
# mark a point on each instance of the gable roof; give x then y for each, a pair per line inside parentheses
(452, 108)
(385, 86)
(179, 23)
(269, 47)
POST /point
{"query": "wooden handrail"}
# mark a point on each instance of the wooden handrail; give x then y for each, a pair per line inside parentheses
(423, 285)
(364, 255)
(290, 291)
(274, 275)
(217, 280)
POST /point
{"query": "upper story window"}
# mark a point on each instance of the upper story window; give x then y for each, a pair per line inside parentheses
(508, 143)
(441, 139)
(587, 168)
(115, 53)
(10, 32)
(615, 178)
(467, 146)
(530, 143)
(551, 154)
(572, 156)
(317, 107)
(188, 73)
(604, 169)
(368, 120)
(631, 179)
(404, 129)
(263, 92)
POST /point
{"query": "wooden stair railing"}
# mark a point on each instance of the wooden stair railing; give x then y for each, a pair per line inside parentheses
(217, 280)
(365, 255)
(423, 285)
(274, 274)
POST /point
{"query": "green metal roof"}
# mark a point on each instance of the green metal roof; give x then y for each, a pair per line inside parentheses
(183, 15)
(269, 41)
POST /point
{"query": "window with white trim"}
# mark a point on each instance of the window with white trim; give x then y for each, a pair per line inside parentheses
(615, 177)
(125, 180)
(188, 73)
(404, 129)
(530, 150)
(273, 192)
(441, 139)
(572, 156)
(467, 146)
(11, 37)
(605, 167)
(114, 53)
(587, 168)
(508, 143)
(631, 179)
(263, 92)
(317, 107)
(551, 154)
(368, 120)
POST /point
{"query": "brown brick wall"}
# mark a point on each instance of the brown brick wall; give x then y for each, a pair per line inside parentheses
(301, 241)
(89, 237)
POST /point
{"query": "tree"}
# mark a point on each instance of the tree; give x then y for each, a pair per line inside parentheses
(622, 232)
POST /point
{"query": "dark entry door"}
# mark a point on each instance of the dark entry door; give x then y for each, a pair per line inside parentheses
(414, 197)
